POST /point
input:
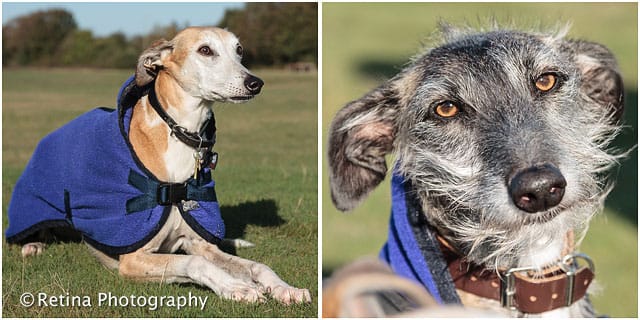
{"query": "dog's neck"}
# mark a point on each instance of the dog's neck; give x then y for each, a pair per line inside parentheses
(538, 253)
(545, 252)
(525, 248)
(188, 111)
(169, 159)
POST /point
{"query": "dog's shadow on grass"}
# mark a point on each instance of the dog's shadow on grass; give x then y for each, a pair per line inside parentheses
(262, 213)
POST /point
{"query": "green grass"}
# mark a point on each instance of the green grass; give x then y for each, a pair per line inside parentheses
(364, 43)
(266, 183)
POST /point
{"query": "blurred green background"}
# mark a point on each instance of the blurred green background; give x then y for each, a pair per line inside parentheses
(366, 43)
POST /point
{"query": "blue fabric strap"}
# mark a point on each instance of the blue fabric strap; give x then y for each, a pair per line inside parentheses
(155, 193)
(412, 250)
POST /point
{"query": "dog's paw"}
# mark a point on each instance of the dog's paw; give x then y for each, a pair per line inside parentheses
(289, 295)
(32, 249)
(250, 295)
(243, 292)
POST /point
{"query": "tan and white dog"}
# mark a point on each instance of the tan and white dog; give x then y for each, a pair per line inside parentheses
(198, 67)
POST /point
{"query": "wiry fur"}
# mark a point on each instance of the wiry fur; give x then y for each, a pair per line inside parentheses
(461, 167)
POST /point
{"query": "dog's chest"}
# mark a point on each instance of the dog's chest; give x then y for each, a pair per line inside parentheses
(179, 160)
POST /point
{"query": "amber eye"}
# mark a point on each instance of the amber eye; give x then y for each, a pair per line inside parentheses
(239, 50)
(447, 109)
(205, 51)
(546, 82)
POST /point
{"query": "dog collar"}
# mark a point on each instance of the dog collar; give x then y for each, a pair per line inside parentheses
(202, 142)
(205, 139)
(525, 289)
(414, 251)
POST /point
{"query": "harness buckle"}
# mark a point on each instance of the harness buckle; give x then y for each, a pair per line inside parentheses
(170, 193)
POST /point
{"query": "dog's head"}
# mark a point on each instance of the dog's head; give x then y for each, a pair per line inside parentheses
(206, 63)
(497, 131)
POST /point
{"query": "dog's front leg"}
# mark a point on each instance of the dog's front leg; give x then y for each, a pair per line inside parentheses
(141, 265)
(249, 270)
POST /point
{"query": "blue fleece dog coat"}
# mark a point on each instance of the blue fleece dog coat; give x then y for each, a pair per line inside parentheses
(86, 175)
(412, 249)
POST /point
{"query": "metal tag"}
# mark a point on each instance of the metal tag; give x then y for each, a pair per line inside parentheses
(198, 164)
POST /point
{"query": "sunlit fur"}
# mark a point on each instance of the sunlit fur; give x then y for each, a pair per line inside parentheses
(460, 166)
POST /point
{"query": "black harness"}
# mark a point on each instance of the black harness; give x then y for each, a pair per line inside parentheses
(202, 141)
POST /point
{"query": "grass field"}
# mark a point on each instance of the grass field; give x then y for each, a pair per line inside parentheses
(266, 182)
(364, 43)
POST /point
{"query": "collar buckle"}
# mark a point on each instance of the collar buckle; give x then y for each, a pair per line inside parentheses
(569, 264)
(508, 287)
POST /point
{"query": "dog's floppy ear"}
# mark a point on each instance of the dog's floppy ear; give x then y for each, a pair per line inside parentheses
(361, 134)
(150, 62)
(601, 80)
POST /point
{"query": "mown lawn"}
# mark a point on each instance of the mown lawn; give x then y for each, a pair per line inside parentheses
(365, 43)
(266, 182)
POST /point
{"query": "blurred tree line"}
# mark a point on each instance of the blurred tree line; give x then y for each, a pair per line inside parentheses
(273, 34)
(276, 33)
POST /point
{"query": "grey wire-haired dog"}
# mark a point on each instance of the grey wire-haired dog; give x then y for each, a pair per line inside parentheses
(503, 137)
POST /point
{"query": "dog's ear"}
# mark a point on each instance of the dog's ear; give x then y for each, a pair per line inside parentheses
(150, 61)
(601, 80)
(361, 134)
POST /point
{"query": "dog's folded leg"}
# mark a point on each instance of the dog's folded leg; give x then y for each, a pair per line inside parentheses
(251, 271)
(170, 268)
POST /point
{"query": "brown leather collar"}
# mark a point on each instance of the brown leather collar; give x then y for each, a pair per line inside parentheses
(523, 289)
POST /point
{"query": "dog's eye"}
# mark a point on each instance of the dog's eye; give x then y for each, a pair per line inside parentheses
(447, 109)
(239, 50)
(205, 51)
(546, 82)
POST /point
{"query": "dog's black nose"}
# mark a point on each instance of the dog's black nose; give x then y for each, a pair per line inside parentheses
(253, 84)
(537, 188)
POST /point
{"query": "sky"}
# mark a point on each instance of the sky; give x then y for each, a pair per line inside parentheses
(130, 18)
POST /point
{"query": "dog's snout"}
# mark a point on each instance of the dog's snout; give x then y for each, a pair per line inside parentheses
(253, 84)
(537, 188)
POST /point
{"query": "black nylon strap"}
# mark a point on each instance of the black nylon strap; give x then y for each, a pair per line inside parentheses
(155, 193)
(67, 206)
